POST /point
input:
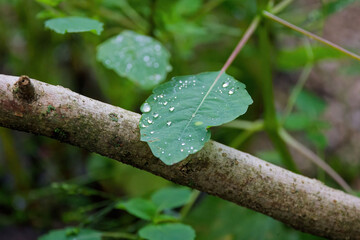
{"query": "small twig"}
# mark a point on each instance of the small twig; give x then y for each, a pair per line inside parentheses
(281, 6)
(186, 208)
(310, 35)
(301, 82)
(314, 158)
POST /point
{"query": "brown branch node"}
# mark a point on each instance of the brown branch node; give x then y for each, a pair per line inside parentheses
(24, 89)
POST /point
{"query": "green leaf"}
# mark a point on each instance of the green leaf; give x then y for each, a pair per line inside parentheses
(139, 207)
(176, 116)
(310, 104)
(74, 24)
(289, 59)
(140, 58)
(168, 198)
(173, 231)
(52, 3)
(298, 121)
(72, 234)
(165, 218)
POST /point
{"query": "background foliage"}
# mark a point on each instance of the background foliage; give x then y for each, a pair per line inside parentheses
(47, 185)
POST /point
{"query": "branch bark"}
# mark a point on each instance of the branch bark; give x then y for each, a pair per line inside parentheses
(303, 203)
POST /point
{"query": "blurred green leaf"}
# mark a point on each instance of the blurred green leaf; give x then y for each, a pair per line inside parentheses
(140, 58)
(217, 219)
(52, 3)
(173, 231)
(165, 218)
(317, 138)
(310, 104)
(297, 121)
(48, 13)
(176, 117)
(139, 207)
(168, 198)
(74, 25)
(72, 234)
(290, 59)
(271, 156)
(329, 8)
(186, 7)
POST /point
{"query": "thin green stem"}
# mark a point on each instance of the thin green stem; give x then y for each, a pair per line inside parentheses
(314, 158)
(249, 31)
(207, 7)
(131, 13)
(310, 35)
(281, 6)
(241, 138)
(247, 125)
(186, 208)
(271, 123)
(301, 82)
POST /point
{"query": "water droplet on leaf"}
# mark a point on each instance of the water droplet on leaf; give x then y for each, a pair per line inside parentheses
(145, 108)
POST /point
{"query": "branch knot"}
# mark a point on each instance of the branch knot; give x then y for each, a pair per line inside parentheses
(24, 89)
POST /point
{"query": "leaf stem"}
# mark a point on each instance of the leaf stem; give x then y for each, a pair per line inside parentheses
(310, 35)
(249, 31)
(281, 6)
(186, 208)
(314, 158)
(271, 122)
(301, 82)
(246, 125)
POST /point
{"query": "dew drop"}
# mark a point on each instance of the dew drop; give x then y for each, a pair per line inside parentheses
(157, 47)
(149, 121)
(152, 132)
(191, 148)
(181, 150)
(168, 123)
(231, 92)
(165, 103)
(171, 109)
(183, 144)
(146, 58)
(145, 108)
(128, 67)
(226, 84)
(156, 115)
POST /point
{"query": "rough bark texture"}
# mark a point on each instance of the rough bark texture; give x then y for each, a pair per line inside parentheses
(303, 203)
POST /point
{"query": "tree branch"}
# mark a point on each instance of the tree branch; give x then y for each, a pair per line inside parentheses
(303, 203)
